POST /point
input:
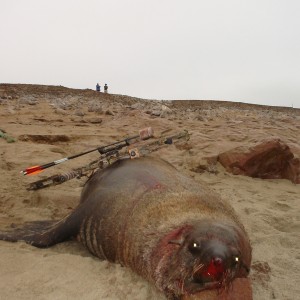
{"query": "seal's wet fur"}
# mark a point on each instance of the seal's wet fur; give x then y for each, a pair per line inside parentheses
(144, 214)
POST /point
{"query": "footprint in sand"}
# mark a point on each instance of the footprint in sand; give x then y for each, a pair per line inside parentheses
(282, 224)
(280, 206)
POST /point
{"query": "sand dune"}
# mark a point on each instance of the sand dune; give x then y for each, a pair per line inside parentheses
(49, 123)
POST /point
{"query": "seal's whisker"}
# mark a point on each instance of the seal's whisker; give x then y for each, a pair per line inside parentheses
(197, 268)
(183, 282)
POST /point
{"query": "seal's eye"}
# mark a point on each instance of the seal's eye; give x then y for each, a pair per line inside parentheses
(195, 247)
(235, 260)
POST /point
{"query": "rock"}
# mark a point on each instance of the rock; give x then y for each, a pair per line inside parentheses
(165, 111)
(137, 106)
(44, 139)
(60, 111)
(159, 111)
(76, 119)
(201, 168)
(201, 118)
(156, 113)
(95, 108)
(94, 120)
(109, 113)
(79, 113)
(165, 108)
(272, 159)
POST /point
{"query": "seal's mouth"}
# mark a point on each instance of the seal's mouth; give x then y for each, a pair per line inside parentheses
(214, 271)
(213, 275)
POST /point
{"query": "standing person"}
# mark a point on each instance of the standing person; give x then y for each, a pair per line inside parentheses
(98, 87)
(105, 88)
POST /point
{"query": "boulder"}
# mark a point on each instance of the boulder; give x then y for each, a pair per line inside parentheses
(272, 159)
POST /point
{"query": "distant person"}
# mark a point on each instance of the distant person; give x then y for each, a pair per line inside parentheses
(98, 87)
(105, 88)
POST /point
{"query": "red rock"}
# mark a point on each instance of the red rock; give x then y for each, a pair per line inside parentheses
(272, 159)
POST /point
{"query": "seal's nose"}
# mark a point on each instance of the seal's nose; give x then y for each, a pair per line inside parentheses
(215, 269)
(214, 256)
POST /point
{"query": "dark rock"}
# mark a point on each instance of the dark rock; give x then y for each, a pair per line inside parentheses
(44, 139)
(272, 159)
(94, 120)
(201, 168)
(109, 113)
(79, 113)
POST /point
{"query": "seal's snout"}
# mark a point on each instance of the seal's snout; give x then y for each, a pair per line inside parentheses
(217, 260)
(215, 270)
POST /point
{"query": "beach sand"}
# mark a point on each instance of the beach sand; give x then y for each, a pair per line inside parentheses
(50, 123)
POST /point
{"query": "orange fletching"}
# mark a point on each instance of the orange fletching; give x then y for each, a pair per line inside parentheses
(32, 170)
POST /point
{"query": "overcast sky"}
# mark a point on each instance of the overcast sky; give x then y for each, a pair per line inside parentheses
(234, 50)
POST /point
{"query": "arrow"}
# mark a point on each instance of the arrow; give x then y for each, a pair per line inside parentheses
(144, 134)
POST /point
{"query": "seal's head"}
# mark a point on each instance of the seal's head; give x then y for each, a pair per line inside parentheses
(216, 255)
(206, 255)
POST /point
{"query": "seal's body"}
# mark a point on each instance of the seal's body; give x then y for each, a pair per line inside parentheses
(144, 214)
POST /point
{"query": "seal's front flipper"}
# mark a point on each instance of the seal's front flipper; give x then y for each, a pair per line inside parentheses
(42, 234)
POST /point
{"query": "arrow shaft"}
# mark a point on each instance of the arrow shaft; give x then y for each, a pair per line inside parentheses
(102, 150)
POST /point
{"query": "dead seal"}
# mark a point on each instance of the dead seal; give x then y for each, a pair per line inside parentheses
(147, 216)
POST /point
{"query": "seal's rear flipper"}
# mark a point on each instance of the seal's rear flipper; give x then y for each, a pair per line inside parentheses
(41, 234)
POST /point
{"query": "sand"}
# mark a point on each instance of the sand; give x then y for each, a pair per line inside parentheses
(49, 123)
